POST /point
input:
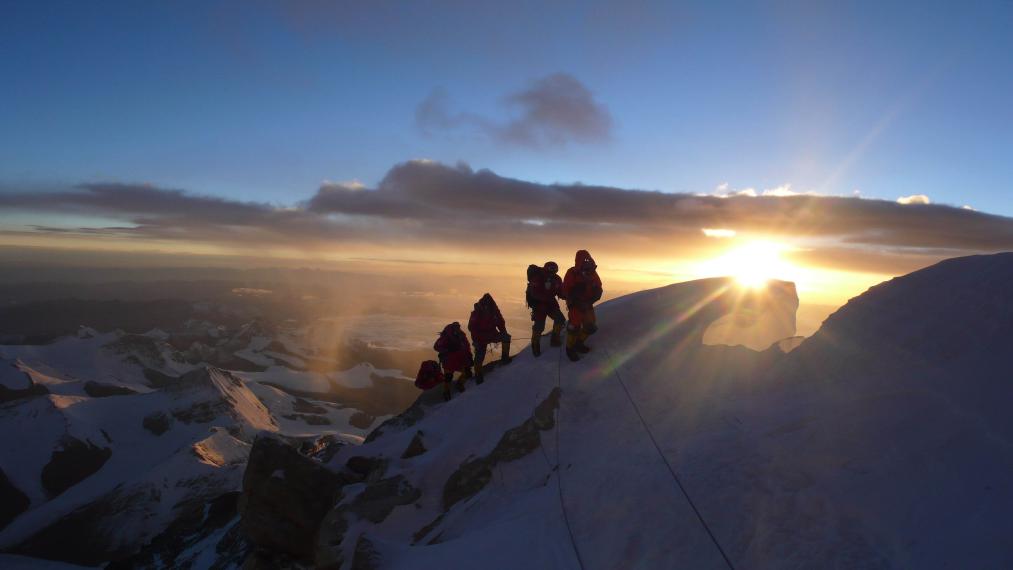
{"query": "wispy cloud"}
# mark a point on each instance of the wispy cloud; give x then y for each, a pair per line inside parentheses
(555, 110)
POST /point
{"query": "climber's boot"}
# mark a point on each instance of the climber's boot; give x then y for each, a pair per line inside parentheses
(479, 372)
(555, 339)
(571, 346)
(506, 358)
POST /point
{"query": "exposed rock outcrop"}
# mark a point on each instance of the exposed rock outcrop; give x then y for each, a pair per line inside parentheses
(285, 496)
(374, 504)
(301, 406)
(365, 557)
(415, 448)
(12, 501)
(321, 449)
(473, 475)
(157, 423)
(16, 384)
(9, 395)
(409, 417)
(311, 419)
(197, 521)
(83, 536)
(370, 468)
(102, 390)
(72, 463)
(361, 420)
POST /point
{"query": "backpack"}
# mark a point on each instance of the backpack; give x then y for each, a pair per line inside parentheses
(451, 337)
(429, 375)
(535, 273)
(489, 303)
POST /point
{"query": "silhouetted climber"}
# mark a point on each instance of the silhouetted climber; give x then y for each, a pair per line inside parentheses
(455, 356)
(581, 289)
(544, 285)
(486, 325)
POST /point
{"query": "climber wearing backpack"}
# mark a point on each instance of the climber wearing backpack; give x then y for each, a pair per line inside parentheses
(486, 325)
(581, 289)
(455, 356)
(544, 285)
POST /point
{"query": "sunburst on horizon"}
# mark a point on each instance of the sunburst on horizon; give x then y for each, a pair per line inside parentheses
(752, 264)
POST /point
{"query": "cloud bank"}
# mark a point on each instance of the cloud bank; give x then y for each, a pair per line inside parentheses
(424, 204)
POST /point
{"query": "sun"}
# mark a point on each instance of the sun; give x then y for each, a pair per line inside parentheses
(752, 264)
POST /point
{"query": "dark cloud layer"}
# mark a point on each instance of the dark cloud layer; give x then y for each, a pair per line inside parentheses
(552, 111)
(426, 190)
(423, 203)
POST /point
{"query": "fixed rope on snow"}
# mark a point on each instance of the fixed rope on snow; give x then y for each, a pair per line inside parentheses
(671, 469)
(559, 466)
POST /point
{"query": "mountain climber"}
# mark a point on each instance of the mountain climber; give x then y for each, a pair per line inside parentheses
(544, 285)
(581, 289)
(486, 325)
(455, 356)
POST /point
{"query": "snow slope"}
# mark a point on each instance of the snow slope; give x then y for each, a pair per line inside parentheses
(621, 502)
(883, 441)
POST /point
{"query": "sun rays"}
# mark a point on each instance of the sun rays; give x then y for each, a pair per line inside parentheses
(752, 264)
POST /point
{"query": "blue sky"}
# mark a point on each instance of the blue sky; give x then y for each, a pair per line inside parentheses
(263, 101)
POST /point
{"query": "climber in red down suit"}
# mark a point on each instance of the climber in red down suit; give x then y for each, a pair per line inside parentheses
(455, 356)
(544, 286)
(486, 326)
(581, 289)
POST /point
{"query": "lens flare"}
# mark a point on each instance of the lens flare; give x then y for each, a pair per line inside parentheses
(752, 264)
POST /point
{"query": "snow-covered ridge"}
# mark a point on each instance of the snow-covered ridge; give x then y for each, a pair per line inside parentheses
(882, 441)
(862, 447)
(956, 311)
(479, 470)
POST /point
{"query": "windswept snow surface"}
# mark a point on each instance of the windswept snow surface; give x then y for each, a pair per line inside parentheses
(623, 506)
(883, 441)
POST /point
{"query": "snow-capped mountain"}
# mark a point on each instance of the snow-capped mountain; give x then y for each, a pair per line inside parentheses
(882, 441)
(113, 442)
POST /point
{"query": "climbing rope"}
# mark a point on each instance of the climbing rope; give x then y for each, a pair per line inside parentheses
(559, 467)
(671, 470)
